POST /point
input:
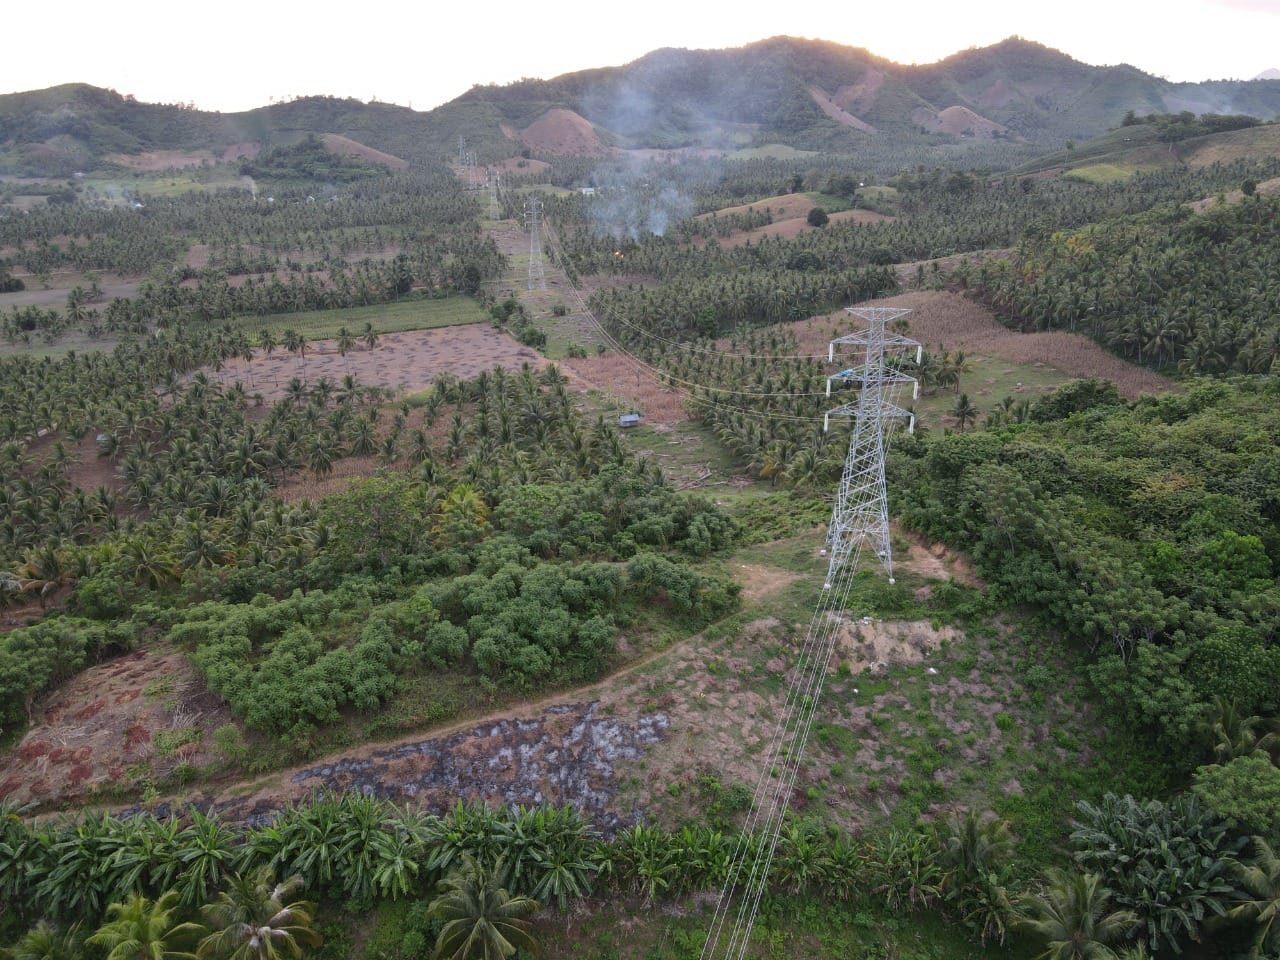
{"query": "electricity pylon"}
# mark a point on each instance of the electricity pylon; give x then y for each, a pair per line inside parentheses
(861, 513)
(537, 277)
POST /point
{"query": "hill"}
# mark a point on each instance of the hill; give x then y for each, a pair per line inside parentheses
(1015, 98)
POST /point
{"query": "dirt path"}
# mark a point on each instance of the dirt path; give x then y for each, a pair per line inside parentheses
(671, 710)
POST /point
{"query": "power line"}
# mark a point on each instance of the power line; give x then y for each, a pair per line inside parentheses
(690, 386)
(730, 930)
(537, 276)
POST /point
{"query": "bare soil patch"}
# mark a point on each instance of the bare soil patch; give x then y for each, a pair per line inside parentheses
(936, 562)
(345, 147)
(404, 362)
(522, 166)
(1267, 188)
(794, 226)
(126, 722)
(959, 122)
(758, 581)
(861, 96)
(837, 113)
(154, 160)
(566, 755)
(944, 319)
(564, 132)
(871, 644)
(619, 378)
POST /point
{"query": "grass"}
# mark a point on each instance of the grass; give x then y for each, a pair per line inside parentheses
(412, 314)
(771, 151)
(685, 453)
(398, 317)
(623, 928)
(988, 381)
(152, 185)
(1102, 174)
(828, 202)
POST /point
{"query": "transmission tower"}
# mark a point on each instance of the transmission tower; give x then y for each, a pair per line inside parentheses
(861, 514)
(537, 278)
(494, 210)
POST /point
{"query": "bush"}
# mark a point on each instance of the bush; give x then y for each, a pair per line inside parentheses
(817, 217)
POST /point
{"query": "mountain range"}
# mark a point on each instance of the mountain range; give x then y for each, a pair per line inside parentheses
(805, 94)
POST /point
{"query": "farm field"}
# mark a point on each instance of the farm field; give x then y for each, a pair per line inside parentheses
(390, 597)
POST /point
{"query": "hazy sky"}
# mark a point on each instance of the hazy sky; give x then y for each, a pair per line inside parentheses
(235, 55)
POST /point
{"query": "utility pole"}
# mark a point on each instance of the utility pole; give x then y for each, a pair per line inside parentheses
(537, 276)
(861, 513)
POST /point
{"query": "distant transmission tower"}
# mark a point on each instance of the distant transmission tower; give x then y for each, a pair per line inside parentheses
(494, 209)
(861, 514)
(537, 278)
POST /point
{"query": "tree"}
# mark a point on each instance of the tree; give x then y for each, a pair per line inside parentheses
(345, 341)
(481, 919)
(45, 942)
(817, 217)
(142, 929)
(252, 920)
(1260, 879)
(1071, 915)
(965, 412)
(1244, 792)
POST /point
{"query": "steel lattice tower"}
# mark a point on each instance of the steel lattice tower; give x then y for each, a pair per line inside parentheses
(537, 277)
(861, 513)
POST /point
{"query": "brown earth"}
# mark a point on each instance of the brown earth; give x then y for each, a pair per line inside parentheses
(861, 96)
(345, 147)
(794, 226)
(945, 319)
(999, 94)
(614, 748)
(122, 725)
(1267, 188)
(403, 362)
(623, 379)
(870, 644)
(562, 131)
(837, 113)
(522, 167)
(161, 159)
(959, 122)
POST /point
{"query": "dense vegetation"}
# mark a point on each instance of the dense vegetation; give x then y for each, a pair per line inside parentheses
(1166, 288)
(498, 540)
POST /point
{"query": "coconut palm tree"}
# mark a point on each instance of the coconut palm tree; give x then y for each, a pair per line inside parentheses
(255, 919)
(145, 929)
(1072, 916)
(482, 920)
(46, 942)
(1260, 878)
(965, 412)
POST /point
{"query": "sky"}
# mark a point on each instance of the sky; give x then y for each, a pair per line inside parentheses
(236, 55)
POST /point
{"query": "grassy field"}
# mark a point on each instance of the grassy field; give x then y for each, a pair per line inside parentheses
(1102, 174)
(385, 317)
(771, 151)
(166, 185)
(989, 381)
